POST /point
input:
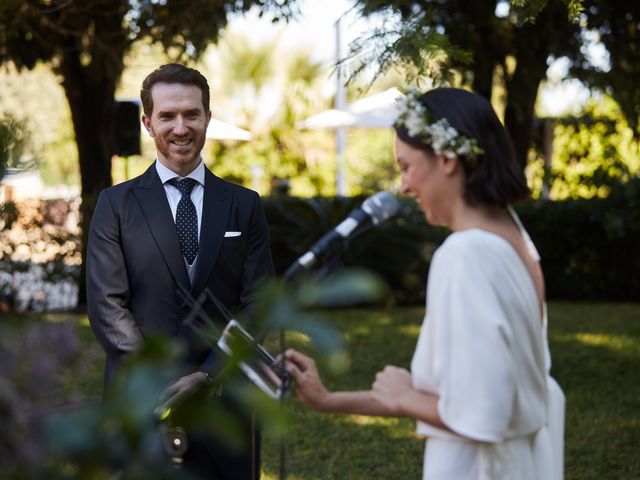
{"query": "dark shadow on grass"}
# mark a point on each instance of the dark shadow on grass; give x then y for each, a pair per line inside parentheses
(322, 447)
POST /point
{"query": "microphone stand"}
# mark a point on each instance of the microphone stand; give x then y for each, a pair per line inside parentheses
(294, 270)
(375, 209)
(288, 275)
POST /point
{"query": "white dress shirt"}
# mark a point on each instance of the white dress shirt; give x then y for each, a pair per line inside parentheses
(174, 195)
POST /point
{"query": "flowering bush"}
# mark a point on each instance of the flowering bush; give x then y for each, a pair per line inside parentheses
(39, 255)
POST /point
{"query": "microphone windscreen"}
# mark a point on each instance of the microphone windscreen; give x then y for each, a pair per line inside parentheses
(380, 206)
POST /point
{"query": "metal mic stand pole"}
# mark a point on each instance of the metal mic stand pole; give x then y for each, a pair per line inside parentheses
(294, 270)
(291, 273)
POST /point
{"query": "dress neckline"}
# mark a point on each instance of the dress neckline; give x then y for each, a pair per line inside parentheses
(531, 250)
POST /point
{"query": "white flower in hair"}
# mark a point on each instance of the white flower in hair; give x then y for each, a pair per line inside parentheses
(438, 134)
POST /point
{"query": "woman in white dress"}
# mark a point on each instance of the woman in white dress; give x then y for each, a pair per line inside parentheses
(479, 385)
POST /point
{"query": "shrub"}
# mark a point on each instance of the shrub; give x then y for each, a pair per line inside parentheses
(39, 256)
(399, 250)
(589, 248)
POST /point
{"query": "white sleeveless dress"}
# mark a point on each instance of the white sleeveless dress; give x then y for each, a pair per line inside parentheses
(483, 350)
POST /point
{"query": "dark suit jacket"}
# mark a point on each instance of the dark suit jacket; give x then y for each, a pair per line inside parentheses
(134, 264)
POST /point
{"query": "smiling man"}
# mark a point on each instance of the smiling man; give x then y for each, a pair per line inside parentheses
(176, 228)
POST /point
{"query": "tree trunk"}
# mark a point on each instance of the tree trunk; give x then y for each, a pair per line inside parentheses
(474, 27)
(90, 90)
(91, 122)
(534, 42)
(522, 91)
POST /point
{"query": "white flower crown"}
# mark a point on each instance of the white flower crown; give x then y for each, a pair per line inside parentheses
(438, 134)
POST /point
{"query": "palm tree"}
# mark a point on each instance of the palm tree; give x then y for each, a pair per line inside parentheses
(270, 90)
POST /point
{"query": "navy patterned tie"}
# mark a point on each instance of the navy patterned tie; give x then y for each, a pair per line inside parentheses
(186, 218)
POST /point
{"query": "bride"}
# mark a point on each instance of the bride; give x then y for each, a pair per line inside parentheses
(479, 386)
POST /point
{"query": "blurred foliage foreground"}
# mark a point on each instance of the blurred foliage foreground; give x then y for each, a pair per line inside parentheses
(51, 432)
(595, 349)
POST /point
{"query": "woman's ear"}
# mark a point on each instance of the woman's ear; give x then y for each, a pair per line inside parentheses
(449, 164)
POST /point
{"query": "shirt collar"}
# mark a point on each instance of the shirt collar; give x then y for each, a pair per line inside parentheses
(166, 174)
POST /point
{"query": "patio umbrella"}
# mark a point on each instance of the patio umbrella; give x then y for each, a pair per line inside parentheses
(376, 111)
(219, 130)
(328, 119)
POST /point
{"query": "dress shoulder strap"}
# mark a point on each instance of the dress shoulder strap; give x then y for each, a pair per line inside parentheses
(533, 251)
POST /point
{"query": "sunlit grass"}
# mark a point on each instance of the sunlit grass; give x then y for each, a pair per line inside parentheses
(410, 330)
(596, 360)
(614, 342)
(365, 420)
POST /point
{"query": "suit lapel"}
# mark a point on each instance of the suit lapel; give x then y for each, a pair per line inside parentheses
(155, 208)
(215, 214)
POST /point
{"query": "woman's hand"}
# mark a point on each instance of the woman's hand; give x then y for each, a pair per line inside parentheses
(309, 386)
(392, 385)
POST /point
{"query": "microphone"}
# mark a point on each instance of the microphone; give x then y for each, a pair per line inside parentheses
(374, 210)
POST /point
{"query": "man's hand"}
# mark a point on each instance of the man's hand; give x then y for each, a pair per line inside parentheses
(181, 388)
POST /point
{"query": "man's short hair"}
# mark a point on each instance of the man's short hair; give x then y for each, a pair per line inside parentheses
(173, 73)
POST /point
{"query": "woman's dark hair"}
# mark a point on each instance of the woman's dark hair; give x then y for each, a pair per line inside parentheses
(494, 177)
(173, 73)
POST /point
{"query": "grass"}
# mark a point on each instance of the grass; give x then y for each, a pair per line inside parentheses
(323, 446)
(596, 360)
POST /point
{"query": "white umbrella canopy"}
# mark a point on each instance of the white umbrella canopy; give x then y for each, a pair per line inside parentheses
(328, 119)
(219, 130)
(376, 111)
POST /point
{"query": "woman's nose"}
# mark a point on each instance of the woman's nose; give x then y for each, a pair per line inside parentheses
(404, 189)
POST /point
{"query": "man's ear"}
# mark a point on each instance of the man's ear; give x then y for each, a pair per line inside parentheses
(146, 121)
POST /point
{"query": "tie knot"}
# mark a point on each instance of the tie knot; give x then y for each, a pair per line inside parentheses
(185, 185)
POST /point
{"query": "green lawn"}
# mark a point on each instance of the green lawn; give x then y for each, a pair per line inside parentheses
(596, 357)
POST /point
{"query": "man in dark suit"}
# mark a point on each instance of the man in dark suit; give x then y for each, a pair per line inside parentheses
(176, 225)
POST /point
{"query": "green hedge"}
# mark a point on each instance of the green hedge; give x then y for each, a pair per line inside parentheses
(399, 249)
(589, 248)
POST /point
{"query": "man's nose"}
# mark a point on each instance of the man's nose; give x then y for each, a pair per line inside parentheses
(180, 126)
